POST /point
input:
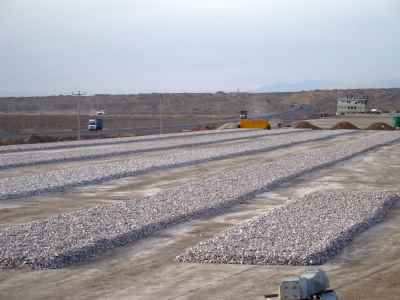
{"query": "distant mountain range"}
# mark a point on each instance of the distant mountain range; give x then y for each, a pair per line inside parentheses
(311, 85)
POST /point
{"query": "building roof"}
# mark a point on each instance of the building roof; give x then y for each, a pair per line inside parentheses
(363, 99)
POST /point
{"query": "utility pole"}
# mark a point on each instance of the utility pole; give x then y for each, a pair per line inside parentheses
(160, 113)
(78, 96)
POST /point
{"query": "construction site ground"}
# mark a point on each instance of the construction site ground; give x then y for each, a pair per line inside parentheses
(65, 125)
(361, 121)
(369, 269)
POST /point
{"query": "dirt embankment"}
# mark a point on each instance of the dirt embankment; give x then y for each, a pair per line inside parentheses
(198, 103)
(34, 128)
(37, 122)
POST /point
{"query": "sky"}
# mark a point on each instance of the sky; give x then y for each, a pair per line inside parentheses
(52, 47)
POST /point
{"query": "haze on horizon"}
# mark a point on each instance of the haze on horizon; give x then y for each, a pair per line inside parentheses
(131, 46)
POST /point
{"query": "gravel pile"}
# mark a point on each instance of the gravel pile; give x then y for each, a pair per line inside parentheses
(68, 238)
(58, 180)
(113, 141)
(85, 153)
(309, 231)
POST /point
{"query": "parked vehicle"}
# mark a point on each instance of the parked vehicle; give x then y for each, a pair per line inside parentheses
(243, 114)
(95, 124)
(255, 123)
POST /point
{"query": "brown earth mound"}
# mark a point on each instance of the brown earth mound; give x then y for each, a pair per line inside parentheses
(380, 126)
(345, 125)
(306, 125)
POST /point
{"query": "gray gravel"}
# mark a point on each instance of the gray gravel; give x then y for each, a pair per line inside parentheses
(58, 180)
(115, 141)
(12, 160)
(309, 231)
(68, 238)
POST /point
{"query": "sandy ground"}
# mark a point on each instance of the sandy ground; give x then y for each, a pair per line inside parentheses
(368, 269)
(65, 125)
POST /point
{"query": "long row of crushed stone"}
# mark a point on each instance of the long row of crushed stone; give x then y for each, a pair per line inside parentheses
(115, 141)
(72, 237)
(309, 231)
(12, 160)
(58, 180)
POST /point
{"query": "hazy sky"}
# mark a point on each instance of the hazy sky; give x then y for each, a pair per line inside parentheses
(131, 46)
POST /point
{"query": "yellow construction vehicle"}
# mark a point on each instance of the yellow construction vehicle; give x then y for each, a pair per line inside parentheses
(256, 123)
(253, 123)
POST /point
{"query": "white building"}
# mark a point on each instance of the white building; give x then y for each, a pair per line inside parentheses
(352, 105)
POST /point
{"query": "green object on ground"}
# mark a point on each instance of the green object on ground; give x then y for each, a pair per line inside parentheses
(396, 121)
